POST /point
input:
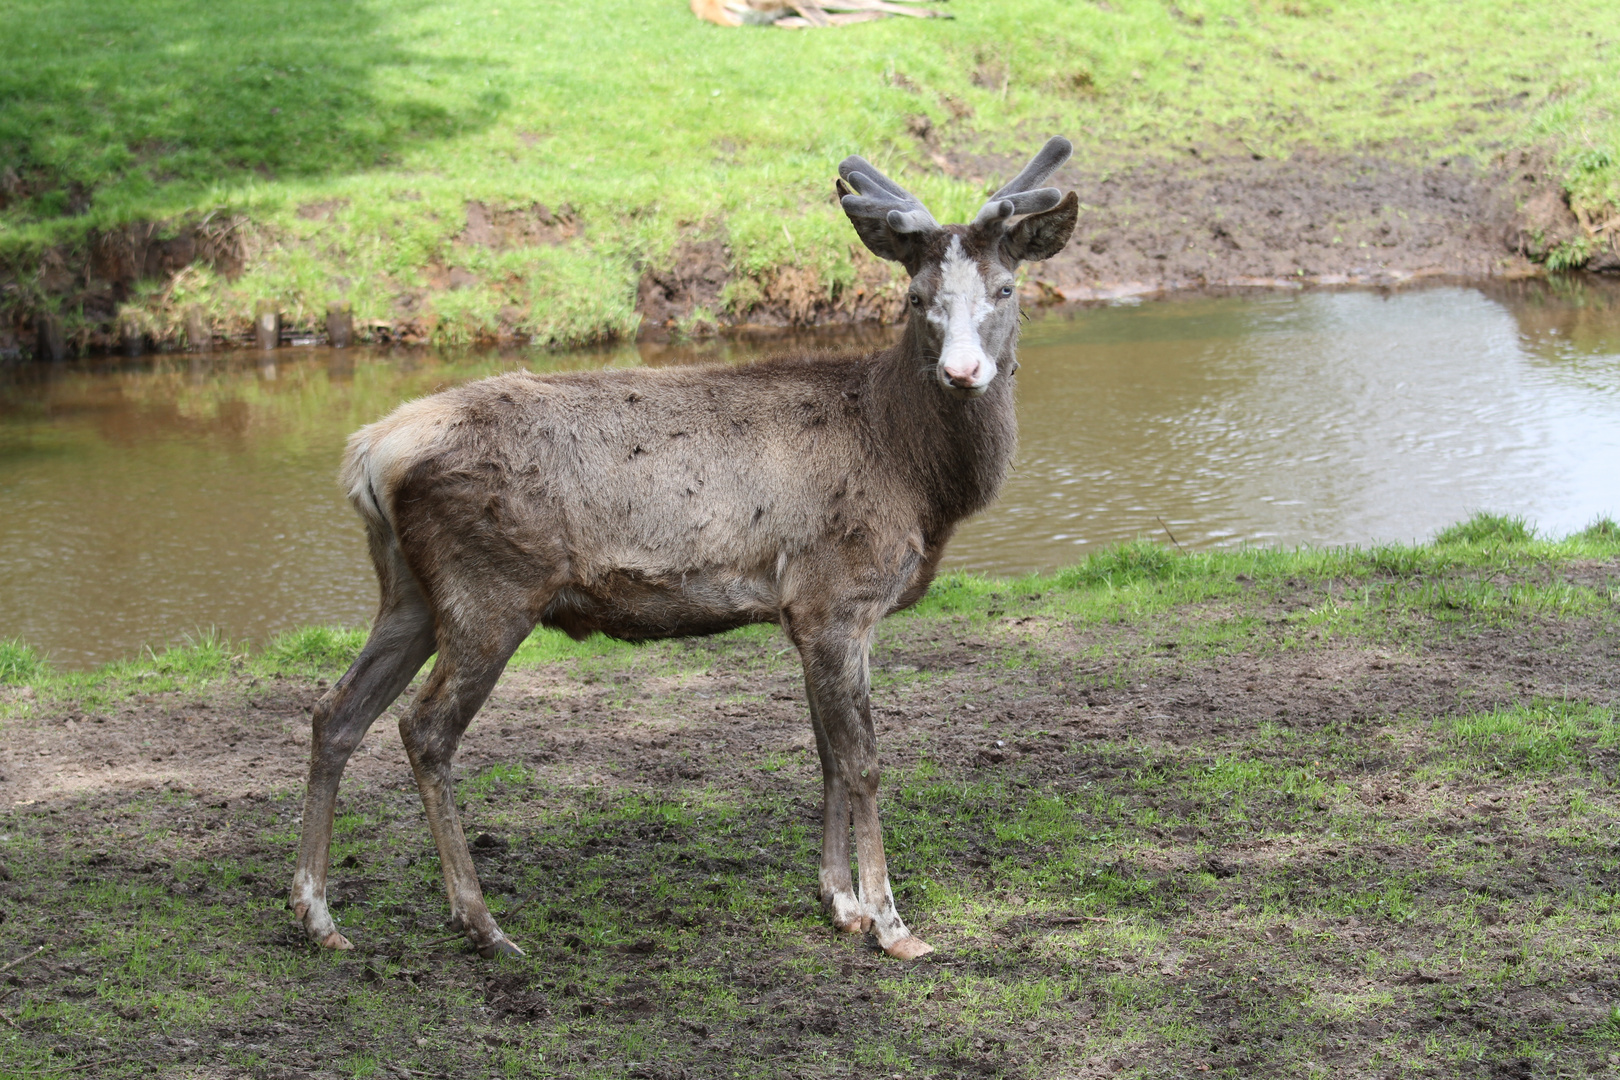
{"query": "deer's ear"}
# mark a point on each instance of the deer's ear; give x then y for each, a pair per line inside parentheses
(1041, 236)
(882, 241)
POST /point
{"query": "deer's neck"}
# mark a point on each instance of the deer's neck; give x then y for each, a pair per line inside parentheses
(957, 451)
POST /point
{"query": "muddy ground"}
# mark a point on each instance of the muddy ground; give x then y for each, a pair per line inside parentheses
(1313, 220)
(1212, 217)
(1242, 830)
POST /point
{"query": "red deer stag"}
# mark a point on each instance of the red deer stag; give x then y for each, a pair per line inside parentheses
(817, 492)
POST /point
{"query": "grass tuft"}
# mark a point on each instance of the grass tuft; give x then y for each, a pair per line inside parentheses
(199, 656)
(312, 649)
(20, 663)
(1137, 560)
(1485, 528)
(1602, 530)
(1534, 738)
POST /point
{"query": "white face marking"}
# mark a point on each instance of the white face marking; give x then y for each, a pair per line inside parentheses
(960, 306)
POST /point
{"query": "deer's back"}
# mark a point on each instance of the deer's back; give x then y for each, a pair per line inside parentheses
(676, 496)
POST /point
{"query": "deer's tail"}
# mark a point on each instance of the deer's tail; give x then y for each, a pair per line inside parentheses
(364, 477)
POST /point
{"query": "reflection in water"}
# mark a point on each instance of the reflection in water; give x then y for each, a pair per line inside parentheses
(142, 502)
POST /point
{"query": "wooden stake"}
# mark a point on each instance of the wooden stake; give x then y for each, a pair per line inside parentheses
(267, 324)
(51, 346)
(339, 324)
(198, 338)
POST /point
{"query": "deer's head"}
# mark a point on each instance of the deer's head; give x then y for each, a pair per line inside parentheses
(963, 301)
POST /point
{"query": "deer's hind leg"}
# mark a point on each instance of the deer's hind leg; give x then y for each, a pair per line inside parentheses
(400, 642)
(470, 661)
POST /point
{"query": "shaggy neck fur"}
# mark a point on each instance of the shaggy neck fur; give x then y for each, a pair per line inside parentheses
(957, 449)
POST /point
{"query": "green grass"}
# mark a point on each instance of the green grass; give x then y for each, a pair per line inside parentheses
(312, 650)
(19, 663)
(654, 126)
(1538, 737)
(1487, 528)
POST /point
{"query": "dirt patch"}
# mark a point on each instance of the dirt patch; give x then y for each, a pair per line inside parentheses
(1543, 223)
(322, 209)
(94, 277)
(1238, 220)
(502, 229)
(699, 277)
(694, 279)
(796, 296)
(1133, 854)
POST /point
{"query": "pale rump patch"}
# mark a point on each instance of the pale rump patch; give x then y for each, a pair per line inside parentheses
(379, 453)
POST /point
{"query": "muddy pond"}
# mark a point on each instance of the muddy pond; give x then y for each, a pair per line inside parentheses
(143, 500)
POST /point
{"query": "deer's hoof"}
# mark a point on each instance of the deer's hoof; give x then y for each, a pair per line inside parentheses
(858, 925)
(500, 947)
(909, 948)
(337, 941)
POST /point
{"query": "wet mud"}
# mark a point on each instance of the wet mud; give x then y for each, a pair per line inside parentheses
(1311, 220)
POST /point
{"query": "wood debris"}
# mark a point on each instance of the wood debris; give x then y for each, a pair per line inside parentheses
(804, 14)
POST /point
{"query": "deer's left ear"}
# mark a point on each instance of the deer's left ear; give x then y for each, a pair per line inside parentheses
(1041, 236)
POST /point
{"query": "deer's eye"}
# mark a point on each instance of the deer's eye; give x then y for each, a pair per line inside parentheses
(1006, 291)
(916, 301)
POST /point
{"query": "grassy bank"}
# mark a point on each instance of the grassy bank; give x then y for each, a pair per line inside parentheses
(335, 150)
(1257, 814)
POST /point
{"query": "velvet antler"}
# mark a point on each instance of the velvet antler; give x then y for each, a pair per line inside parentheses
(871, 195)
(1020, 195)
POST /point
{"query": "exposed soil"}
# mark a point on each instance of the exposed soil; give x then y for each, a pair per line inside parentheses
(697, 279)
(1399, 912)
(1239, 220)
(535, 225)
(101, 274)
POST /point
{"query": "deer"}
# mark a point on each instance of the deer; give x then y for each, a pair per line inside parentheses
(814, 491)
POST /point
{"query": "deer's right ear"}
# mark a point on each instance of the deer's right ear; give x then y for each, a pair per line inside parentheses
(876, 234)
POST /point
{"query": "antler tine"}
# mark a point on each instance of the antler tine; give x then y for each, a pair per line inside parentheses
(1020, 195)
(876, 196)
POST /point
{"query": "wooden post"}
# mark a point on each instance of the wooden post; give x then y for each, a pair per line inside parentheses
(267, 324)
(198, 337)
(51, 346)
(339, 324)
(133, 337)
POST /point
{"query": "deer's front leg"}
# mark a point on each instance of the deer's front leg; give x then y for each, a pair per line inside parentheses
(838, 896)
(836, 676)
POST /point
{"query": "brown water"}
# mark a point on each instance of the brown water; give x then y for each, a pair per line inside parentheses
(142, 502)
